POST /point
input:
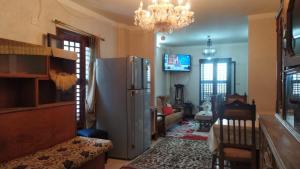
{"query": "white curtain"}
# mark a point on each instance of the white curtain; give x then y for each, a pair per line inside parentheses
(91, 88)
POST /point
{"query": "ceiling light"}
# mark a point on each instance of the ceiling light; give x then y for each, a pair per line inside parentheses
(209, 50)
(164, 16)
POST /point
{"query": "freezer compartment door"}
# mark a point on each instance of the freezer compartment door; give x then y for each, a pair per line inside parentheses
(135, 104)
(134, 73)
(146, 74)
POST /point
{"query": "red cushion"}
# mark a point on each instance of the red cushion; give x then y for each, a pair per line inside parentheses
(167, 110)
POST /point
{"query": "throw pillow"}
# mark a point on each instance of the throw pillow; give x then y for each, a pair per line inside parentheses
(167, 110)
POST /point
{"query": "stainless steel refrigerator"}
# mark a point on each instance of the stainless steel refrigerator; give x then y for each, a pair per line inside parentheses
(123, 104)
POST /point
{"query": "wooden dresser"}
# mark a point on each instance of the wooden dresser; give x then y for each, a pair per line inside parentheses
(279, 149)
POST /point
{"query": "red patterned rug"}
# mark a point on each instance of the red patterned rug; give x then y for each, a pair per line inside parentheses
(187, 130)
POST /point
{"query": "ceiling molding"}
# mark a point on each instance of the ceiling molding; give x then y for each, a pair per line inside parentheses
(262, 16)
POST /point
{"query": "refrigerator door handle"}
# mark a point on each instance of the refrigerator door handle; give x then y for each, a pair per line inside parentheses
(132, 93)
(132, 73)
(133, 131)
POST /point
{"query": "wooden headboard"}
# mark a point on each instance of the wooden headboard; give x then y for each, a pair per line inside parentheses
(27, 131)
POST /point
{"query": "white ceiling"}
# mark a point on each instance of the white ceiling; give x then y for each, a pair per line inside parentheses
(224, 20)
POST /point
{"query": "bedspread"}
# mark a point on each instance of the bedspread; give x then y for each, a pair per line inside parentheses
(67, 155)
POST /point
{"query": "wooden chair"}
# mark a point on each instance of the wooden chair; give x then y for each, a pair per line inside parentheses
(234, 146)
(216, 103)
(234, 97)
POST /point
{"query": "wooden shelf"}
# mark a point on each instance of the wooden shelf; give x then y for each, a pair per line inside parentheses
(62, 65)
(17, 92)
(48, 93)
(23, 65)
(56, 104)
(22, 75)
(17, 109)
(43, 78)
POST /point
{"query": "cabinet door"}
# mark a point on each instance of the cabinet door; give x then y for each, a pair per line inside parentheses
(293, 34)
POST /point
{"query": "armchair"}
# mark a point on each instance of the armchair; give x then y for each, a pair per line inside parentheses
(166, 121)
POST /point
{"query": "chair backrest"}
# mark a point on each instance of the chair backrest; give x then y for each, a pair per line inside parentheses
(237, 125)
(216, 103)
(234, 97)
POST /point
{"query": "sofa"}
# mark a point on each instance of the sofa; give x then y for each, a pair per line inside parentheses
(166, 120)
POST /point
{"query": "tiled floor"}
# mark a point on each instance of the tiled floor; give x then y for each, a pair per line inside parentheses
(117, 164)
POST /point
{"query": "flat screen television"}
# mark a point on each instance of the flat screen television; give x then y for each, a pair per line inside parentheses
(177, 62)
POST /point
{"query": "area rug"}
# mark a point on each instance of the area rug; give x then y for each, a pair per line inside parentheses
(187, 130)
(175, 153)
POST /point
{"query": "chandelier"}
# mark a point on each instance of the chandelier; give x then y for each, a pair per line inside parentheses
(164, 16)
(209, 50)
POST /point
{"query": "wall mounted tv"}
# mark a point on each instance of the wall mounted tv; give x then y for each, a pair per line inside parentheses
(177, 62)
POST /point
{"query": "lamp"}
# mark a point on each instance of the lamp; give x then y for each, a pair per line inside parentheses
(164, 16)
(209, 50)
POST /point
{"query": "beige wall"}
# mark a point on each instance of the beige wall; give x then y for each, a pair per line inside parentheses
(136, 42)
(262, 62)
(162, 78)
(29, 20)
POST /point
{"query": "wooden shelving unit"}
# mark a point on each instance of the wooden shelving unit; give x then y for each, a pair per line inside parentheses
(24, 78)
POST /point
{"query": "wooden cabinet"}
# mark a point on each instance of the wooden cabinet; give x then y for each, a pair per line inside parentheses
(288, 65)
(279, 149)
(280, 134)
(291, 17)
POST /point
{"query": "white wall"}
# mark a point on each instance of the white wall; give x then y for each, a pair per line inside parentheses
(162, 79)
(237, 51)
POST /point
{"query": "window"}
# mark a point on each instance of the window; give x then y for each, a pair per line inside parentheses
(80, 44)
(215, 77)
(75, 47)
(296, 85)
(87, 65)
